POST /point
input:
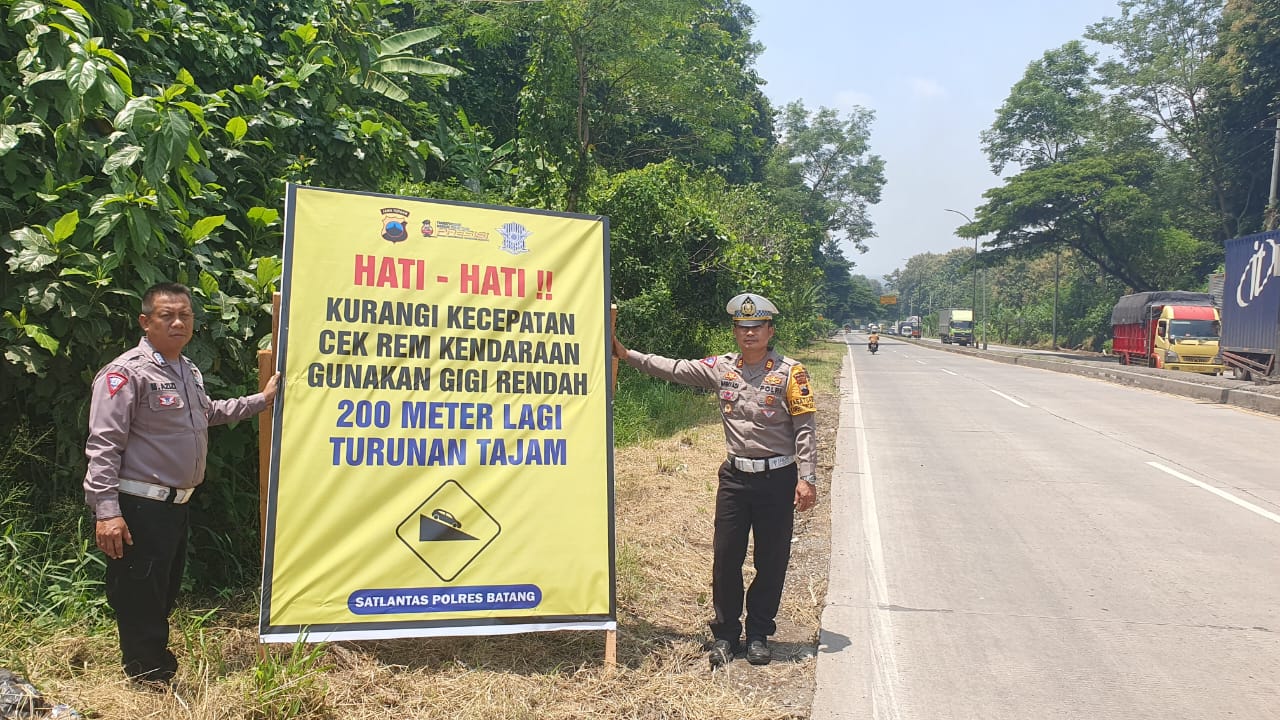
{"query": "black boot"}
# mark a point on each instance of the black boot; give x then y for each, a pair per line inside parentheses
(722, 652)
(758, 652)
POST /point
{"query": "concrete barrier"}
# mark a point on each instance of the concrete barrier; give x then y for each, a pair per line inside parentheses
(1244, 397)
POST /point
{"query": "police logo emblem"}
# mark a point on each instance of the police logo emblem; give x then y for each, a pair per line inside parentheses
(748, 308)
(395, 224)
(427, 230)
(115, 381)
(513, 237)
(728, 408)
(168, 400)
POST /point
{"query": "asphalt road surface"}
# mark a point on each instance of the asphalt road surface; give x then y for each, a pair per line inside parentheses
(1017, 543)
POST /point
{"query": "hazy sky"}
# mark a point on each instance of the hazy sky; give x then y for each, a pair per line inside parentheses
(934, 73)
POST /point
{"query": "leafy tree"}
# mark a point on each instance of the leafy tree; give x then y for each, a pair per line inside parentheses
(615, 85)
(1164, 69)
(1049, 113)
(1247, 104)
(823, 168)
(152, 142)
(1102, 207)
(864, 298)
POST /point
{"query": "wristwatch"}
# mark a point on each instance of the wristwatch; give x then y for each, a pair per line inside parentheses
(811, 479)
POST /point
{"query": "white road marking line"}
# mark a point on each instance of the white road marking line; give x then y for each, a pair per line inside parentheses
(885, 672)
(950, 373)
(922, 362)
(1015, 401)
(1220, 493)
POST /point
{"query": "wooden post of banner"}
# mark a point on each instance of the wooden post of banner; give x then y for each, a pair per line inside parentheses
(611, 636)
(266, 368)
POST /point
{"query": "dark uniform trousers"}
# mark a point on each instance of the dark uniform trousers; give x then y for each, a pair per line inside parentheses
(761, 504)
(142, 586)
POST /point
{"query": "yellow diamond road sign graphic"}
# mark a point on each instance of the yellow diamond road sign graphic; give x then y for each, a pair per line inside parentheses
(448, 530)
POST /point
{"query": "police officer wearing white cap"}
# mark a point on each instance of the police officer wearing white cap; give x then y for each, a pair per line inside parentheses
(770, 431)
(148, 436)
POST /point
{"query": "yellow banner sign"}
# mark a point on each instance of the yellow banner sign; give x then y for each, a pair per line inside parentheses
(442, 462)
(888, 299)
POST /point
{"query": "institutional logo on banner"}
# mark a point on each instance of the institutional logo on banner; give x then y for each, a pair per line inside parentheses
(442, 462)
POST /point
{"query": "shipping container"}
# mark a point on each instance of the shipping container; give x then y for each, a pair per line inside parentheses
(1251, 306)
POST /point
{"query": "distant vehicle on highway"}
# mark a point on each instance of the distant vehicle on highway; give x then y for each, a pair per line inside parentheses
(1170, 329)
(955, 325)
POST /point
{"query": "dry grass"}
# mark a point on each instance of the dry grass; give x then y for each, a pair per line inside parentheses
(665, 495)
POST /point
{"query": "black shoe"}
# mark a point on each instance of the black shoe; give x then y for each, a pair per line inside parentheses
(722, 652)
(758, 652)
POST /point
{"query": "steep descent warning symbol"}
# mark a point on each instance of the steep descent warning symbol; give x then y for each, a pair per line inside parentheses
(448, 530)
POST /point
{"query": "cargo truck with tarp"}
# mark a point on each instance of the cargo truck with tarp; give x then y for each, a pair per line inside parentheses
(1251, 306)
(955, 325)
(1172, 329)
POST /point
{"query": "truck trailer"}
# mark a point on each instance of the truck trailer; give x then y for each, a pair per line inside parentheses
(1251, 306)
(955, 325)
(1171, 329)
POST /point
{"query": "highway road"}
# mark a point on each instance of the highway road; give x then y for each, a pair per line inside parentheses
(1017, 543)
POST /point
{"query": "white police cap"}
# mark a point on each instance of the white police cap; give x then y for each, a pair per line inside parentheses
(748, 310)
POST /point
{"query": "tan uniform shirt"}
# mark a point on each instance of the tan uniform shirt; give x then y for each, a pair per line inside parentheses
(768, 409)
(149, 421)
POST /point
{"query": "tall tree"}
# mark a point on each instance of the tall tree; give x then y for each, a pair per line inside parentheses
(1249, 103)
(1049, 113)
(824, 166)
(1163, 67)
(1104, 206)
(613, 84)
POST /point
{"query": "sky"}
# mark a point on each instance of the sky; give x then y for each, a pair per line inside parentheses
(934, 73)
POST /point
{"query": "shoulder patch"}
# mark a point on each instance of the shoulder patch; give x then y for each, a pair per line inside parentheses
(115, 381)
(800, 398)
(710, 361)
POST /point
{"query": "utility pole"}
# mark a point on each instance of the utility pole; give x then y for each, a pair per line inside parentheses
(1056, 259)
(985, 314)
(975, 282)
(1273, 204)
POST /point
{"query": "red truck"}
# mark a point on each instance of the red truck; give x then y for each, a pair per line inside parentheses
(1170, 329)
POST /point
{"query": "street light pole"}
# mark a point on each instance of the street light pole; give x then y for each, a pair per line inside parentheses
(975, 280)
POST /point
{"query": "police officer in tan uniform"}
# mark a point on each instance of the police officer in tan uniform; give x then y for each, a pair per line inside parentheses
(148, 437)
(767, 405)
